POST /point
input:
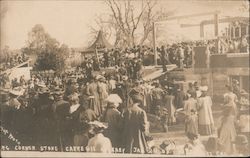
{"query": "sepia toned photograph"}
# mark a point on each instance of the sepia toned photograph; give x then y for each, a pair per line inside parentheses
(124, 78)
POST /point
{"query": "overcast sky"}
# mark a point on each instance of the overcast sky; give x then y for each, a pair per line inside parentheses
(68, 21)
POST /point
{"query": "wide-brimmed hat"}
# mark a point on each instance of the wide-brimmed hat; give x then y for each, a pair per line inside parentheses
(98, 124)
(114, 98)
(203, 88)
(98, 77)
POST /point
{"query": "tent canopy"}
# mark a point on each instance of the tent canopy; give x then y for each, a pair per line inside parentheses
(100, 42)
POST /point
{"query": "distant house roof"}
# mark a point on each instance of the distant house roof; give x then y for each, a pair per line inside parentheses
(100, 42)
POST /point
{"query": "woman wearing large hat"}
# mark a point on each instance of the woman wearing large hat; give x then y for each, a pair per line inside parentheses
(99, 143)
(113, 117)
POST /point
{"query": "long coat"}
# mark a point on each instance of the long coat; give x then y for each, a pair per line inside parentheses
(113, 118)
(72, 126)
(103, 93)
(60, 109)
(44, 124)
(135, 121)
(92, 90)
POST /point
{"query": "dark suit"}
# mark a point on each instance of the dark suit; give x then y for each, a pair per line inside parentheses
(135, 120)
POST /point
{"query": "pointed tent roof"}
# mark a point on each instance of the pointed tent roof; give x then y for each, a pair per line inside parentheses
(100, 41)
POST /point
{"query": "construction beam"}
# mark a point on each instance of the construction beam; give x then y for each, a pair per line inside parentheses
(224, 20)
(188, 16)
(189, 25)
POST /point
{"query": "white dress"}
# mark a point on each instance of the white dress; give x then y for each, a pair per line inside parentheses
(205, 116)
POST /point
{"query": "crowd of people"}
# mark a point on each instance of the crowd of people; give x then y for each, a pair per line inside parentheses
(237, 45)
(104, 112)
(11, 60)
(109, 112)
(134, 58)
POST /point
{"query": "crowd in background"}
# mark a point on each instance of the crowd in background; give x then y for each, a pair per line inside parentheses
(180, 54)
(237, 45)
(11, 60)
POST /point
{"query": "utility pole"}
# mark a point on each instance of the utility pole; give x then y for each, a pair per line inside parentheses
(154, 44)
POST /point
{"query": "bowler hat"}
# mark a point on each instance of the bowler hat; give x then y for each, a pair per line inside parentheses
(98, 124)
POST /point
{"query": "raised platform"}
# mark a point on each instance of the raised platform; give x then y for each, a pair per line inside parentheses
(158, 72)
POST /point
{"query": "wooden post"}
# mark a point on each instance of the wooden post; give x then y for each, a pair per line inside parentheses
(230, 33)
(216, 30)
(233, 32)
(96, 53)
(154, 44)
(247, 29)
(216, 25)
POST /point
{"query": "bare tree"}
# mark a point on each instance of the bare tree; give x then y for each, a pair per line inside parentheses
(244, 6)
(150, 16)
(126, 18)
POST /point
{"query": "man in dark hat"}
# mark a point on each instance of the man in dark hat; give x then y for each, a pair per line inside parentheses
(44, 124)
(135, 126)
(60, 109)
(72, 120)
(22, 123)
